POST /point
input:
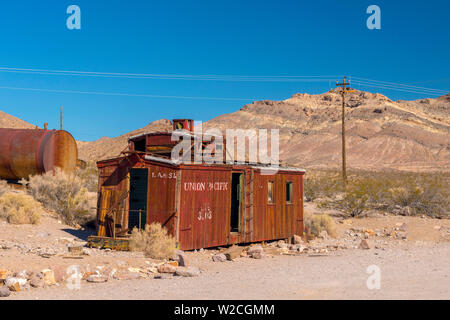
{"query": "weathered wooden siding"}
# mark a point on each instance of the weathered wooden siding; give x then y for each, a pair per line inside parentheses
(279, 219)
(161, 196)
(205, 207)
(203, 217)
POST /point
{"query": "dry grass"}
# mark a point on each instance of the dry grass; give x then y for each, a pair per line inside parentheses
(155, 242)
(64, 194)
(19, 208)
(88, 176)
(315, 224)
(4, 187)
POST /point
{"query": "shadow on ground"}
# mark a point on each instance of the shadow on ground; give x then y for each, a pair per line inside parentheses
(81, 234)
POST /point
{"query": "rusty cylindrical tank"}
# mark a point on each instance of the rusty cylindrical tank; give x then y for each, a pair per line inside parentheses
(25, 152)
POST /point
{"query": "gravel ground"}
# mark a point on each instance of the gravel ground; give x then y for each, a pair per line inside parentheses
(419, 271)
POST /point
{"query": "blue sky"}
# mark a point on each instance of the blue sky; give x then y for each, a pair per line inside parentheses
(244, 38)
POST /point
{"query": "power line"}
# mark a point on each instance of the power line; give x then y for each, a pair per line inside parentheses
(276, 78)
(398, 85)
(128, 94)
(232, 78)
(381, 86)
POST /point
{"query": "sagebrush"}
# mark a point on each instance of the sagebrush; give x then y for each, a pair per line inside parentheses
(88, 176)
(154, 241)
(65, 194)
(19, 208)
(316, 223)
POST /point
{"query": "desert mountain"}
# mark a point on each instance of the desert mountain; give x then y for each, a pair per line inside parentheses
(381, 133)
(8, 121)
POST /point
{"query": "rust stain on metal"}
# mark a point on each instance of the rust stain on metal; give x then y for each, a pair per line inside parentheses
(201, 205)
(25, 152)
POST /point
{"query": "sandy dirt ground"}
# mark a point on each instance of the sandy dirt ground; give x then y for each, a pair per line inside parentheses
(413, 268)
(406, 273)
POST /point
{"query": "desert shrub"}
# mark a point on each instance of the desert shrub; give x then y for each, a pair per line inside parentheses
(65, 194)
(422, 194)
(354, 202)
(19, 208)
(391, 191)
(4, 187)
(88, 176)
(316, 223)
(321, 184)
(154, 241)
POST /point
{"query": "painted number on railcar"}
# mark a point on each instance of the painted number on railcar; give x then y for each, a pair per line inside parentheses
(164, 175)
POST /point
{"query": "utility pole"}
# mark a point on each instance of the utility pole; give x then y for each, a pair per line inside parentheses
(61, 118)
(345, 85)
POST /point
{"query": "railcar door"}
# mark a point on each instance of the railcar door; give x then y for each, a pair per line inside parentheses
(137, 217)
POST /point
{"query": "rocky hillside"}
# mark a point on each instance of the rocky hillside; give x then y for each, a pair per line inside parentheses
(381, 133)
(8, 121)
(106, 147)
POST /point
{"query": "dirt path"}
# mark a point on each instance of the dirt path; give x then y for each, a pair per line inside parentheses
(411, 272)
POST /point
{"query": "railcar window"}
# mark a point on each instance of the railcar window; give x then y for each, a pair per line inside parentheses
(270, 188)
(289, 192)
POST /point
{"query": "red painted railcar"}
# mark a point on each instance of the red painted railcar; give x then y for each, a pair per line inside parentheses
(202, 205)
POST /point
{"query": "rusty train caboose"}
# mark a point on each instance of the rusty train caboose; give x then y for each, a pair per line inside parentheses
(201, 205)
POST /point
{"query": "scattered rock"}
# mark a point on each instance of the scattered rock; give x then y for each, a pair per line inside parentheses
(258, 255)
(220, 257)
(87, 274)
(233, 252)
(4, 274)
(166, 268)
(173, 263)
(254, 249)
(4, 292)
(271, 250)
(181, 258)
(37, 282)
(282, 244)
(187, 272)
(298, 248)
(297, 239)
(96, 278)
(15, 284)
(365, 245)
(49, 277)
(23, 274)
(152, 270)
(75, 250)
(59, 273)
